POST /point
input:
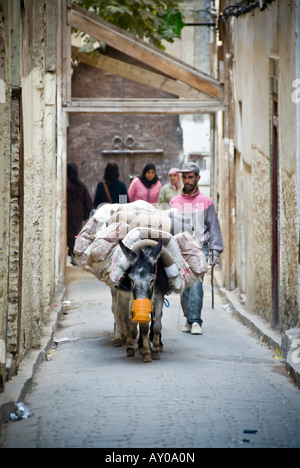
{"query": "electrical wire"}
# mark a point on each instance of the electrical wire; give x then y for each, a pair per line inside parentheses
(243, 7)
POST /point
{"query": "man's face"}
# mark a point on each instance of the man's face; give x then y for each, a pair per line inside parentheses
(190, 181)
(174, 178)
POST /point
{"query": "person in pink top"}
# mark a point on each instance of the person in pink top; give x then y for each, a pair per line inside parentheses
(146, 187)
(200, 211)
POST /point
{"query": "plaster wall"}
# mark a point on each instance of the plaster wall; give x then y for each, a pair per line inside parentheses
(4, 192)
(258, 39)
(39, 203)
(28, 175)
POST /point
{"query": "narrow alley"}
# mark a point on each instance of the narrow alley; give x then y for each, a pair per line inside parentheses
(221, 389)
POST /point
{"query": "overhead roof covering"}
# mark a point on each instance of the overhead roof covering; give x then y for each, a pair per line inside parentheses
(178, 77)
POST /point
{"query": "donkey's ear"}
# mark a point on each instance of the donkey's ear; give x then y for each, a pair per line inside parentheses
(129, 254)
(156, 251)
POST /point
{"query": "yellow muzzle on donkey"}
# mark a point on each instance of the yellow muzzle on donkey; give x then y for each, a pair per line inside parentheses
(141, 309)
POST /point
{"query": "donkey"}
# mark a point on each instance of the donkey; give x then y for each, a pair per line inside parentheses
(145, 279)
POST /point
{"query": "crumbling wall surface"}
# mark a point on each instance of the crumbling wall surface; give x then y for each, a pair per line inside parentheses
(288, 282)
(33, 209)
(262, 249)
(4, 192)
(262, 40)
(39, 99)
(288, 253)
(286, 50)
(28, 182)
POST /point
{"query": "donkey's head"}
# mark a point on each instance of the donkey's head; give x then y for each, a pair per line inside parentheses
(143, 269)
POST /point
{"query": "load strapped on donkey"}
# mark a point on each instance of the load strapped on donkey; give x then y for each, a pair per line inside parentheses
(122, 244)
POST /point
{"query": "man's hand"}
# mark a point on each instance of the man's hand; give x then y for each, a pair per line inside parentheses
(214, 257)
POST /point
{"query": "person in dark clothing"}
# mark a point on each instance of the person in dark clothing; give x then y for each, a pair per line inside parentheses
(79, 206)
(111, 189)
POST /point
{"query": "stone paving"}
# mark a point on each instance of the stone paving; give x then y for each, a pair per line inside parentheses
(204, 392)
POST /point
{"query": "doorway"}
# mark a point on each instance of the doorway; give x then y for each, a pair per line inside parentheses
(275, 211)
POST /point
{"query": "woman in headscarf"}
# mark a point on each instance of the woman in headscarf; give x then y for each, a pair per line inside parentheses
(171, 189)
(146, 187)
(79, 206)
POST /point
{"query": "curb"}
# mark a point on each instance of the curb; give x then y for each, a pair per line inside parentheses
(21, 384)
(262, 330)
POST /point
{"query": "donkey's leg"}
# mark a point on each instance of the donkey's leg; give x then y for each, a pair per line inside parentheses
(115, 307)
(151, 335)
(157, 327)
(144, 328)
(124, 302)
(140, 341)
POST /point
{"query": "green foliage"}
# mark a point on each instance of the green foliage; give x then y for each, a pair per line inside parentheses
(150, 19)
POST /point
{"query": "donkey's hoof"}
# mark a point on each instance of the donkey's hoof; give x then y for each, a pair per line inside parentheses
(147, 358)
(156, 355)
(130, 352)
(118, 343)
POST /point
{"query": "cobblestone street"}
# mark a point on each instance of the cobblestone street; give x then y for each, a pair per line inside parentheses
(206, 391)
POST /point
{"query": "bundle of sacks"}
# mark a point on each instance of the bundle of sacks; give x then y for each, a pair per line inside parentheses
(139, 224)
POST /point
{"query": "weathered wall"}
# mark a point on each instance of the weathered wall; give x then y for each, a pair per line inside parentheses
(261, 247)
(4, 190)
(257, 39)
(39, 108)
(295, 98)
(28, 182)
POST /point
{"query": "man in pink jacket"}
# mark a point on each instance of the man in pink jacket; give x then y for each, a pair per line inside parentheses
(200, 210)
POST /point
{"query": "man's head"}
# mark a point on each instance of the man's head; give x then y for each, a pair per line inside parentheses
(175, 177)
(190, 178)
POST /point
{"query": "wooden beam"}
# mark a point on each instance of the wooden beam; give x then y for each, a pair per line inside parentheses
(144, 106)
(137, 74)
(121, 40)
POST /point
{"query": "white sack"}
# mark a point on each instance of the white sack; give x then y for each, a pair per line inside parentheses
(137, 224)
